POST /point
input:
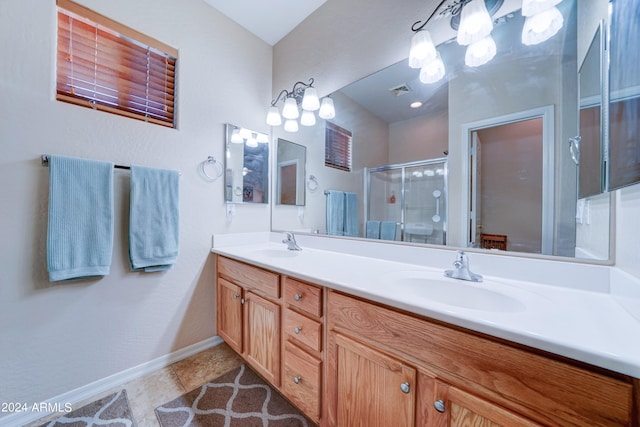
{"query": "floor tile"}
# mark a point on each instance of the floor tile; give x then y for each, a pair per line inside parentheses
(207, 365)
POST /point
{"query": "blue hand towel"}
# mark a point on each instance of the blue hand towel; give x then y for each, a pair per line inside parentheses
(153, 218)
(373, 230)
(388, 230)
(80, 224)
(335, 213)
(351, 220)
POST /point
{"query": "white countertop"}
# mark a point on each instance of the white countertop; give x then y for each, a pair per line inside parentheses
(594, 318)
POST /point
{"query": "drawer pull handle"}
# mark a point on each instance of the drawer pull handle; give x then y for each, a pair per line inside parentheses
(297, 330)
(405, 387)
(297, 379)
(439, 405)
(297, 297)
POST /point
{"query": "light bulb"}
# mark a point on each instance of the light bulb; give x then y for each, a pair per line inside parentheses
(422, 49)
(433, 71)
(475, 23)
(273, 116)
(327, 109)
(480, 52)
(252, 142)
(290, 109)
(541, 27)
(235, 136)
(291, 125)
(310, 101)
(308, 118)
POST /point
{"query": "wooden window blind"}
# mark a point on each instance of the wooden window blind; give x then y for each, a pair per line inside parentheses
(337, 147)
(107, 66)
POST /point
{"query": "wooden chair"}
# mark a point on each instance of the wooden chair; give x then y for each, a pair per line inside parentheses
(493, 241)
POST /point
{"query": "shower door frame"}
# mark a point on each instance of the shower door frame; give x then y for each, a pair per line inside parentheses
(403, 167)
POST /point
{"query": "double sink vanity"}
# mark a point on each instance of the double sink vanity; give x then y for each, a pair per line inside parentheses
(384, 338)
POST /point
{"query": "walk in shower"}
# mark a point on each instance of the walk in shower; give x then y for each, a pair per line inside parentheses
(410, 199)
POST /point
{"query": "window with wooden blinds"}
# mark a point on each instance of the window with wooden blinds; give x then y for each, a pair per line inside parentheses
(337, 147)
(107, 66)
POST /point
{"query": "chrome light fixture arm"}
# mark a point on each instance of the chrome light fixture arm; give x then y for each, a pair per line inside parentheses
(296, 92)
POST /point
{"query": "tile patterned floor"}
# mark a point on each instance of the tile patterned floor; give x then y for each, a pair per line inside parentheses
(150, 391)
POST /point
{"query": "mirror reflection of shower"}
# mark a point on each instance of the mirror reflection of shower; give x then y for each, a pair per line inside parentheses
(407, 202)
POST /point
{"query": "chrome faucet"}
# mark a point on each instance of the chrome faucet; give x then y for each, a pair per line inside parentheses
(461, 269)
(290, 241)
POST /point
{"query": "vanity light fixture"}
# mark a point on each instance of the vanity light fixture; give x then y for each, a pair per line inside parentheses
(245, 136)
(542, 21)
(305, 95)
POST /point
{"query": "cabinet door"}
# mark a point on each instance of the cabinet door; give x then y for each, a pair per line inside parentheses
(456, 408)
(373, 389)
(262, 337)
(229, 314)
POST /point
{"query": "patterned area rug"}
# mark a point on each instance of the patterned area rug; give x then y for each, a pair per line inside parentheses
(113, 410)
(239, 398)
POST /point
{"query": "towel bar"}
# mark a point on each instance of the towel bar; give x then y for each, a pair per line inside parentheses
(45, 163)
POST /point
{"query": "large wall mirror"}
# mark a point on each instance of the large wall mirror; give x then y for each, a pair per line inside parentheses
(246, 166)
(503, 129)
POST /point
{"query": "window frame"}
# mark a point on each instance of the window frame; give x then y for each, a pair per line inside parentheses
(126, 94)
(338, 148)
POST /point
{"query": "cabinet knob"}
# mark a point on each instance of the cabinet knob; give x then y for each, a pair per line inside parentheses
(405, 387)
(242, 301)
(297, 330)
(297, 297)
(439, 405)
(297, 379)
(236, 296)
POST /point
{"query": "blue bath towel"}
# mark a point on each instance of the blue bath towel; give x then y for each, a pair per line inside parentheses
(373, 230)
(351, 219)
(153, 218)
(388, 230)
(80, 224)
(335, 213)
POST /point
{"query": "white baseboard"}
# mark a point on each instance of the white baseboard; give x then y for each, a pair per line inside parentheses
(88, 391)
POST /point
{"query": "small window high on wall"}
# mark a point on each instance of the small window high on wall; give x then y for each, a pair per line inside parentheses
(107, 66)
(337, 147)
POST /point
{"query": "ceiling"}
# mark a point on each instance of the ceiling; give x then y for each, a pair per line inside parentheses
(270, 20)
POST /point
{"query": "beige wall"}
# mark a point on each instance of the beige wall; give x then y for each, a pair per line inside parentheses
(56, 338)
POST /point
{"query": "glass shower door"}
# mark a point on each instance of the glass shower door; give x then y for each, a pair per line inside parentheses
(384, 214)
(425, 204)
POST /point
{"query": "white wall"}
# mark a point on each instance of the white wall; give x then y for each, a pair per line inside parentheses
(55, 338)
(420, 138)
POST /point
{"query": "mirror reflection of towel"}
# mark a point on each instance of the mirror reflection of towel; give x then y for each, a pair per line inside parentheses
(372, 230)
(351, 223)
(335, 213)
(388, 230)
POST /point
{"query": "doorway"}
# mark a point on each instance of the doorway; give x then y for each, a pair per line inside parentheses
(510, 182)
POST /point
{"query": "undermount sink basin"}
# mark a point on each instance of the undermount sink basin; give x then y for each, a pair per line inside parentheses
(277, 253)
(454, 292)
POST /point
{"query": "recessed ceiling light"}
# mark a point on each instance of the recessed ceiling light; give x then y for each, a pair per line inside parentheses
(416, 104)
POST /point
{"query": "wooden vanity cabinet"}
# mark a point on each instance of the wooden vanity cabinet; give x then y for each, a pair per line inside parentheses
(462, 378)
(248, 315)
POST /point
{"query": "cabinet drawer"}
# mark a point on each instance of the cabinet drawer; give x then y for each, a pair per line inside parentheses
(303, 296)
(250, 277)
(302, 379)
(542, 388)
(303, 329)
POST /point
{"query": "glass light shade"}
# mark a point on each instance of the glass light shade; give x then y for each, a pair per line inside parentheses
(291, 125)
(533, 7)
(541, 27)
(475, 23)
(252, 142)
(245, 133)
(433, 71)
(422, 49)
(308, 118)
(262, 138)
(290, 109)
(273, 117)
(327, 109)
(480, 52)
(310, 101)
(235, 136)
